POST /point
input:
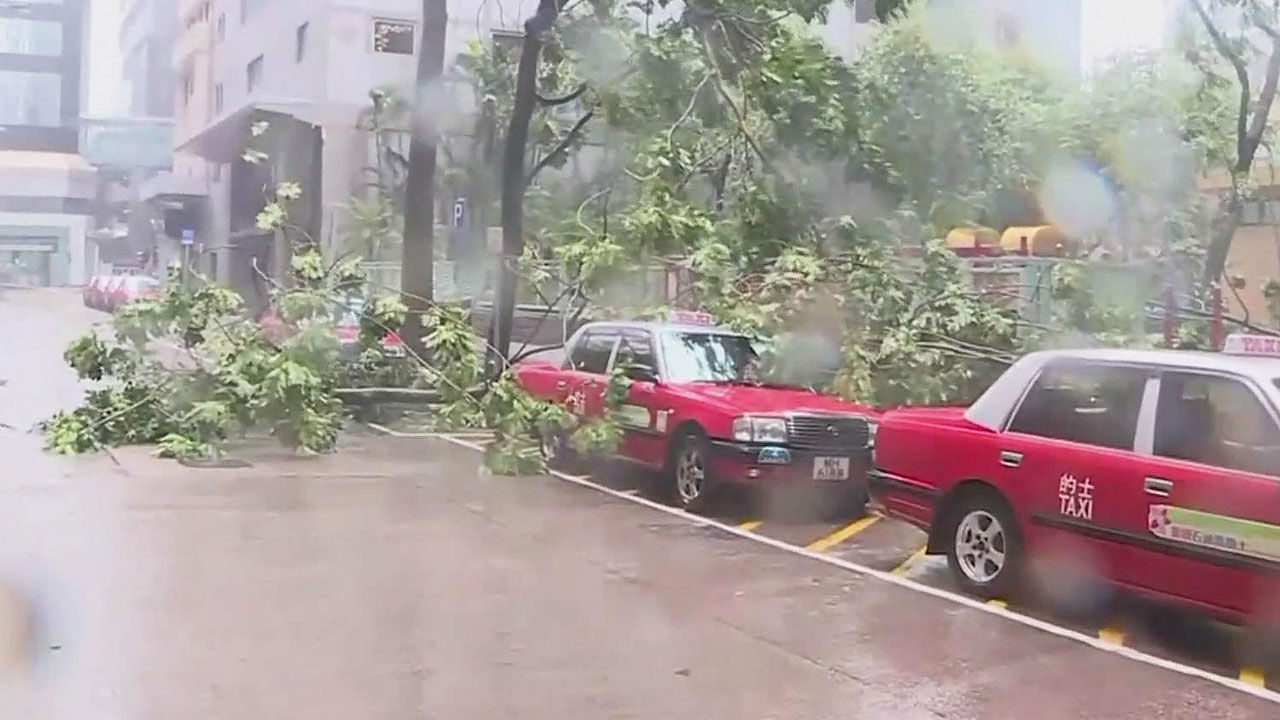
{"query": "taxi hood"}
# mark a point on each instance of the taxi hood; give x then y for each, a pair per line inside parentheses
(763, 399)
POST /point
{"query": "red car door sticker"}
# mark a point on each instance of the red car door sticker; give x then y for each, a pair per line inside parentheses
(1219, 532)
(577, 401)
(1075, 497)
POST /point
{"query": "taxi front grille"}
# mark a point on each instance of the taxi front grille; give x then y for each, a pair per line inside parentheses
(827, 433)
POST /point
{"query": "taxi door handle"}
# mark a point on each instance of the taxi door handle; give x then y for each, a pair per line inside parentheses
(562, 384)
(1010, 459)
(1157, 486)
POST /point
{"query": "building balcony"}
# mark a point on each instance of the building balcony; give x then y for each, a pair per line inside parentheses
(192, 41)
(173, 184)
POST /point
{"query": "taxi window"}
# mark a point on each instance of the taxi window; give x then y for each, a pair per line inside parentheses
(636, 349)
(1090, 404)
(1215, 420)
(592, 352)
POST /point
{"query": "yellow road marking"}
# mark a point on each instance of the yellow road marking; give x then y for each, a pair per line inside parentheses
(906, 564)
(1112, 633)
(1253, 676)
(750, 525)
(1002, 604)
(844, 533)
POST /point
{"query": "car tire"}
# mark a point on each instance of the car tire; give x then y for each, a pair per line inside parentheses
(984, 545)
(689, 475)
(555, 450)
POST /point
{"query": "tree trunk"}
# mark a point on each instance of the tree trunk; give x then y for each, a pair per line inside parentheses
(1223, 230)
(417, 264)
(513, 174)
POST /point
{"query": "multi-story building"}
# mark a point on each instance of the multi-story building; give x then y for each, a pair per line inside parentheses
(164, 195)
(46, 188)
(307, 68)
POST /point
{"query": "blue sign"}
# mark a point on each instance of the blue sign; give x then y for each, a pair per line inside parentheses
(460, 212)
(188, 237)
(127, 142)
(774, 456)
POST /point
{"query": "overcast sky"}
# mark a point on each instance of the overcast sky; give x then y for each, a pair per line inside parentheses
(1110, 26)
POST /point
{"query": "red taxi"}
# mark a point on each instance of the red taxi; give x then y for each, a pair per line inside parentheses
(347, 326)
(132, 289)
(92, 293)
(1155, 471)
(696, 413)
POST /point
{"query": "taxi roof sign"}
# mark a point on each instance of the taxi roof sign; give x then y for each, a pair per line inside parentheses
(1252, 344)
(693, 317)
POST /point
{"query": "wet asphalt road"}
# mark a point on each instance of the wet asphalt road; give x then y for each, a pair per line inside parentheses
(393, 580)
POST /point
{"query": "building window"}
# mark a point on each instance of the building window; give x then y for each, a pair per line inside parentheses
(222, 27)
(188, 88)
(30, 37)
(393, 37)
(30, 98)
(253, 74)
(244, 11)
(300, 46)
(218, 98)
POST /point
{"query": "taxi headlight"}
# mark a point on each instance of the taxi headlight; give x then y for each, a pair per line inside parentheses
(760, 429)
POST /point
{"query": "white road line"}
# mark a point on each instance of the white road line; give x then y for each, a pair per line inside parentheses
(1066, 633)
(478, 435)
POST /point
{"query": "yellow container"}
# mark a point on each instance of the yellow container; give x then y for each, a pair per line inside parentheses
(972, 238)
(1038, 240)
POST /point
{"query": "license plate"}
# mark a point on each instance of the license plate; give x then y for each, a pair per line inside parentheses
(831, 468)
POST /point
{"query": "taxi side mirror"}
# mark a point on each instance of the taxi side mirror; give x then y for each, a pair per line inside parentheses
(642, 373)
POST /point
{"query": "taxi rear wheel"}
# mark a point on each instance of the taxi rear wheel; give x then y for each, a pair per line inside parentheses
(984, 547)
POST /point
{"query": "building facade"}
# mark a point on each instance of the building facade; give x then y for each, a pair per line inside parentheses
(308, 69)
(46, 188)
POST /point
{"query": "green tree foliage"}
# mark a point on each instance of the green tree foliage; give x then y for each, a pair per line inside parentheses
(230, 376)
(793, 180)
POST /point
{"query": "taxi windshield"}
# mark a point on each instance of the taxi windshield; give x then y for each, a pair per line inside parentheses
(709, 357)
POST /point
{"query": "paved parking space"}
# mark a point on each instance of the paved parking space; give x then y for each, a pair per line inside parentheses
(889, 545)
(932, 654)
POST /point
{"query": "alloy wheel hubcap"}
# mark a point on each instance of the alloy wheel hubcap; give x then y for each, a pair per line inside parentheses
(690, 475)
(550, 446)
(981, 546)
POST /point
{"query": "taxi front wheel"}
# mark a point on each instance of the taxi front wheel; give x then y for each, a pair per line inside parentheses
(555, 449)
(984, 547)
(690, 473)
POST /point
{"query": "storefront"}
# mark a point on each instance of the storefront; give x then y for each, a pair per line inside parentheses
(33, 260)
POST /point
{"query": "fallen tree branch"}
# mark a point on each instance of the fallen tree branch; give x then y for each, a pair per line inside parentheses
(563, 99)
(560, 147)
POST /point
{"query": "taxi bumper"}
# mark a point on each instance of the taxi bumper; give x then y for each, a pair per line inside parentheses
(760, 464)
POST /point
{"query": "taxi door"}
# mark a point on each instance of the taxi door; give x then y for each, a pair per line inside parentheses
(584, 382)
(1070, 467)
(643, 414)
(1211, 493)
